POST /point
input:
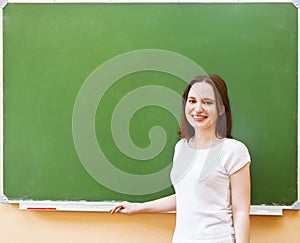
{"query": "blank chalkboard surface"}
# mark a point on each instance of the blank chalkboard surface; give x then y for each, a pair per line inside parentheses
(53, 52)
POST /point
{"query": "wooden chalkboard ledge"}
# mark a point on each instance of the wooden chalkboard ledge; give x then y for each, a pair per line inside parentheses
(67, 205)
(106, 206)
(266, 210)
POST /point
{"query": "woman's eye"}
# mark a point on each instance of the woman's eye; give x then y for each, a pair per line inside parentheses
(192, 101)
(208, 102)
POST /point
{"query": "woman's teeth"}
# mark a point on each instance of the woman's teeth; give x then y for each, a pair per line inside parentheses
(199, 116)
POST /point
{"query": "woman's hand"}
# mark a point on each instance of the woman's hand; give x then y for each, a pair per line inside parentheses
(164, 204)
(125, 207)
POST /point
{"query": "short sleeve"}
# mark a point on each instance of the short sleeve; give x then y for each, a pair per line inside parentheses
(237, 156)
(177, 149)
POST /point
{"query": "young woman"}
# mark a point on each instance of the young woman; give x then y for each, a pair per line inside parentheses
(210, 171)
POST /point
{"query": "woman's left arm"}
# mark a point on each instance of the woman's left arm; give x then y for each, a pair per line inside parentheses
(240, 198)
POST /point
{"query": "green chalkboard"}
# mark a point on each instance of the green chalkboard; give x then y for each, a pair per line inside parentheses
(53, 52)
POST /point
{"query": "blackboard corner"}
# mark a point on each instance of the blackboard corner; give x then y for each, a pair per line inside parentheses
(3, 3)
(296, 3)
(3, 199)
(296, 205)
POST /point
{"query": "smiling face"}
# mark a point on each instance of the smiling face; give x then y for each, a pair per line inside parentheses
(212, 87)
(201, 109)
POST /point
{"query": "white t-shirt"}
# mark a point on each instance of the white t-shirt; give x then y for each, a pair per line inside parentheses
(202, 186)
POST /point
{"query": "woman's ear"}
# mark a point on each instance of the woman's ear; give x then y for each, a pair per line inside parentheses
(222, 110)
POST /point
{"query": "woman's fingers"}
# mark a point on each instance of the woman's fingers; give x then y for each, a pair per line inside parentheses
(118, 209)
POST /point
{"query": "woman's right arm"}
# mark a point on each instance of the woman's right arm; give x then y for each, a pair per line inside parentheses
(164, 204)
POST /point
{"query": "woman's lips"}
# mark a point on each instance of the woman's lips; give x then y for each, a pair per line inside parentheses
(199, 118)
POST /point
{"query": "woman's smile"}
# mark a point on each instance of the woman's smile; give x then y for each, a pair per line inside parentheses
(199, 118)
(201, 111)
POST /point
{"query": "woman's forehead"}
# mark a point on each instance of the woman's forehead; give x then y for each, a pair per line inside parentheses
(201, 90)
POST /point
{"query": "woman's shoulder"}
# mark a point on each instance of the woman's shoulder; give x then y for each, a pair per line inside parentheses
(179, 147)
(235, 155)
(180, 143)
(235, 145)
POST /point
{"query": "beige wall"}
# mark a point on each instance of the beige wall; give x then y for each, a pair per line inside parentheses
(29, 226)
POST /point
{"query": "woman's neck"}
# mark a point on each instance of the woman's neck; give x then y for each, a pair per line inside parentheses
(203, 140)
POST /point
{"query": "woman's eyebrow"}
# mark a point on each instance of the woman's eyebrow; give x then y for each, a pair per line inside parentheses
(205, 98)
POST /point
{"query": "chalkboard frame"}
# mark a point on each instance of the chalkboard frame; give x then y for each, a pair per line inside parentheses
(105, 206)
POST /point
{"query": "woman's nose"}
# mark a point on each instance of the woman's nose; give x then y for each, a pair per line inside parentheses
(198, 106)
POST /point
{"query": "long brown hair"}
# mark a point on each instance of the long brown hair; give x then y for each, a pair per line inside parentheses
(224, 120)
